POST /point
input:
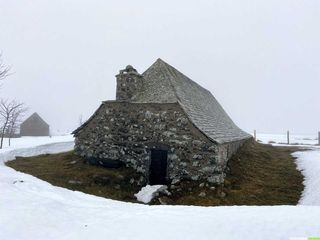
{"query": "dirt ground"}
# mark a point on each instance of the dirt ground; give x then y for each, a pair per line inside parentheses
(258, 175)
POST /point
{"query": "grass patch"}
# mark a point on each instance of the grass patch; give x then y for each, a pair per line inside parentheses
(258, 175)
(71, 171)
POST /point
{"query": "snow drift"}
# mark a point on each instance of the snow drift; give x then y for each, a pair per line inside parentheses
(33, 209)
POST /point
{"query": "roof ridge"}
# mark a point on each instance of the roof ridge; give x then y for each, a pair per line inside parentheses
(167, 67)
(159, 71)
(35, 115)
(175, 70)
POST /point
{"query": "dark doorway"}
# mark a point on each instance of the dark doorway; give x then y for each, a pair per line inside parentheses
(158, 167)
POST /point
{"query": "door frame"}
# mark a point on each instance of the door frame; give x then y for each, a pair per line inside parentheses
(161, 147)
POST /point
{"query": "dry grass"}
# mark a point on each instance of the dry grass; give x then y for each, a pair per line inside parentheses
(70, 171)
(259, 175)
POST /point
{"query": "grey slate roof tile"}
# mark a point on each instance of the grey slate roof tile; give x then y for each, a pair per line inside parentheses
(164, 84)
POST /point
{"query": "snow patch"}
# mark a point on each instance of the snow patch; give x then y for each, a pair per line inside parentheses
(37, 150)
(147, 193)
(27, 142)
(308, 163)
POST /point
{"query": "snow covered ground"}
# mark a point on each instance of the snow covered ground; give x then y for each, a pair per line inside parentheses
(33, 209)
(25, 142)
(309, 163)
(294, 139)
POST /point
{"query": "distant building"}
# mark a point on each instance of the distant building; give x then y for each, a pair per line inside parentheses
(34, 126)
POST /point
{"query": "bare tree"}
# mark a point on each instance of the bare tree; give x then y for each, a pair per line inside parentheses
(4, 70)
(15, 121)
(8, 111)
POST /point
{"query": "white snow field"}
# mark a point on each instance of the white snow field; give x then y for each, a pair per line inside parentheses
(25, 142)
(309, 163)
(33, 209)
(295, 139)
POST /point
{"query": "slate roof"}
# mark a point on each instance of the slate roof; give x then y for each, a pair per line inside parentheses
(163, 83)
(34, 118)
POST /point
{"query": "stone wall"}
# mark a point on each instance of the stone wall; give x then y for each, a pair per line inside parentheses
(126, 132)
(129, 83)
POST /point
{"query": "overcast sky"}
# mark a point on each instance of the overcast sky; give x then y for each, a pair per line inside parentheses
(260, 59)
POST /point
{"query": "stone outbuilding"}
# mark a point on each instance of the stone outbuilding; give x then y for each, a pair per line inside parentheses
(162, 124)
(34, 126)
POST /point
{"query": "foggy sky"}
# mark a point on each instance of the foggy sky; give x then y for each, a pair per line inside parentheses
(260, 59)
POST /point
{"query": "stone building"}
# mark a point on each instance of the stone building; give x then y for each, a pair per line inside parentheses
(34, 126)
(162, 124)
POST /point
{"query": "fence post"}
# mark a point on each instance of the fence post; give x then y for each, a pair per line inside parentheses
(288, 137)
(255, 135)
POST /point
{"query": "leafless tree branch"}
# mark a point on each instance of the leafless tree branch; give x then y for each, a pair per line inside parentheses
(10, 115)
(4, 70)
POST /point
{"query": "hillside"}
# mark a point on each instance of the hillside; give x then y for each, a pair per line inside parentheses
(258, 175)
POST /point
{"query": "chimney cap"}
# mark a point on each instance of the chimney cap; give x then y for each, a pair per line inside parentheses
(129, 70)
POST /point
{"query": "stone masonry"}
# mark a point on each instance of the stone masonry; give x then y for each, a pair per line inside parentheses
(126, 130)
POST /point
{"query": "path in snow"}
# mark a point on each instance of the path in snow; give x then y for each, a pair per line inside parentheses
(33, 209)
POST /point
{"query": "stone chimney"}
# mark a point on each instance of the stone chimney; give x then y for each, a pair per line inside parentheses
(129, 83)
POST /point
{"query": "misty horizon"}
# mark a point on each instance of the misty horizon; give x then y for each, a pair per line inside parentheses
(259, 60)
